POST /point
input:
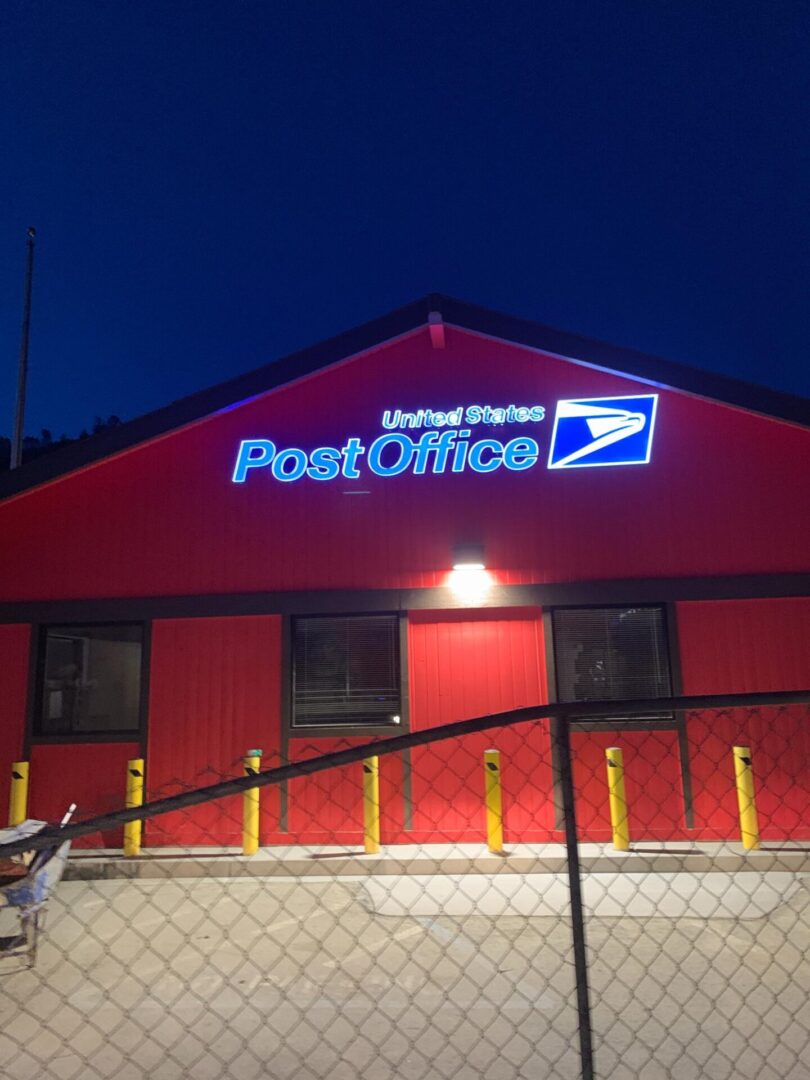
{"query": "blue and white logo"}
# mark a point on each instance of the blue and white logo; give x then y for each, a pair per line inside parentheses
(603, 431)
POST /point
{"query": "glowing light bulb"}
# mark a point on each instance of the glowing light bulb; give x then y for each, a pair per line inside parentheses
(471, 583)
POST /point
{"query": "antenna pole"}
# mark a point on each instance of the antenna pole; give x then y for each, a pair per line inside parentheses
(22, 371)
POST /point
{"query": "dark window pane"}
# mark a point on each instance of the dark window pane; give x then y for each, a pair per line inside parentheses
(91, 680)
(346, 670)
(611, 654)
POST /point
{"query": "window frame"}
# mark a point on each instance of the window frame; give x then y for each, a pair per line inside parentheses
(39, 639)
(667, 720)
(340, 731)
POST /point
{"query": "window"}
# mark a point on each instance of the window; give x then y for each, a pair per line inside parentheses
(90, 680)
(346, 671)
(611, 654)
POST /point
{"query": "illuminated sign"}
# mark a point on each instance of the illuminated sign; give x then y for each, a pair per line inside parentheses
(446, 444)
(602, 431)
(473, 414)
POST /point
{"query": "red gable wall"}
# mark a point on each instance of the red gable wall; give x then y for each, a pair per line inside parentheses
(725, 492)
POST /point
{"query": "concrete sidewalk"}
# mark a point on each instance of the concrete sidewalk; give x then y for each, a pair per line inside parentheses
(424, 859)
(301, 979)
(674, 880)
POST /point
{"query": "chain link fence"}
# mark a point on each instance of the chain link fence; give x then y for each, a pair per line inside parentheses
(554, 910)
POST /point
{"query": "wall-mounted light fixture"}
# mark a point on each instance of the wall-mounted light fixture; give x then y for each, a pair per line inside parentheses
(469, 579)
(468, 557)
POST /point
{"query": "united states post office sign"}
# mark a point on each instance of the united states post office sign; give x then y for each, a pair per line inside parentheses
(586, 433)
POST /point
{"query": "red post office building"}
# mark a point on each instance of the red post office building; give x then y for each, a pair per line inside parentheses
(270, 563)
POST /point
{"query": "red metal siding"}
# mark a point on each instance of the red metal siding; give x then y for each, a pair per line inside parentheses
(215, 694)
(328, 808)
(465, 664)
(14, 647)
(165, 518)
(652, 783)
(745, 647)
(93, 775)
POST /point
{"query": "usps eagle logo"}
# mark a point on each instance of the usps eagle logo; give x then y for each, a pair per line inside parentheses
(603, 431)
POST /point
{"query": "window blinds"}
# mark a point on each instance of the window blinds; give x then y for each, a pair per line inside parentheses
(346, 670)
(611, 654)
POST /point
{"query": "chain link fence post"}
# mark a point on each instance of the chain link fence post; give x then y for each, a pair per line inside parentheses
(563, 738)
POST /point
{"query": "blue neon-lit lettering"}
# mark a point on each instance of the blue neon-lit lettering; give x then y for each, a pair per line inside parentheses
(279, 467)
(324, 463)
(477, 464)
(406, 450)
(428, 443)
(351, 452)
(460, 455)
(520, 454)
(445, 444)
(587, 432)
(247, 459)
(459, 414)
(397, 418)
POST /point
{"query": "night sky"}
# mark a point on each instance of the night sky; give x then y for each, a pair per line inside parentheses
(217, 184)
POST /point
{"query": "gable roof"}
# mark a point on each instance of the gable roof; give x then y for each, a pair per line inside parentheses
(404, 320)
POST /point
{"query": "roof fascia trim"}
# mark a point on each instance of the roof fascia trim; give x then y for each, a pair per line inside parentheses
(591, 352)
(200, 406)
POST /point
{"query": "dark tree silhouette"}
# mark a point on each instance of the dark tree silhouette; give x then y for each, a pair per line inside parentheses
(35, 446)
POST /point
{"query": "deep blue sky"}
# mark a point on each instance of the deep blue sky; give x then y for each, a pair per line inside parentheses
(216, 184)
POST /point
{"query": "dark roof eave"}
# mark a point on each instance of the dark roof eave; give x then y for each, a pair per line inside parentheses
(622, 361)
(509, 328)
(197, 406)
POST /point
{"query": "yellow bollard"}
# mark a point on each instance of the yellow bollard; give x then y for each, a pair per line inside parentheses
(250, 805)
(617, 799)
(371, 805)
(493, 801)
(132, 829)
(18, 797)
(746, 799)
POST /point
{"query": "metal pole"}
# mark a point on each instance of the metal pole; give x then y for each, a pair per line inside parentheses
(134, 797)
(493, 801)
(251, 805)
(18, 796)
(371, 805)
(617, 800)
(22, 371)
(746, 798)
(575, 889)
